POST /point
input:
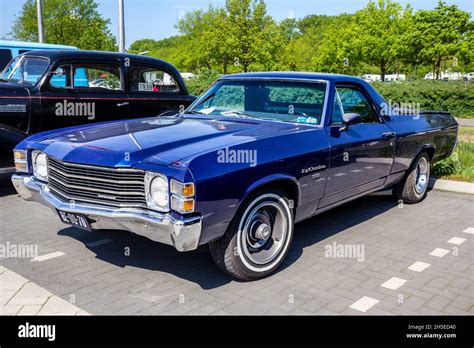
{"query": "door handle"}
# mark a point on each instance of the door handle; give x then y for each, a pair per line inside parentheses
(123, 104)
(389, 135)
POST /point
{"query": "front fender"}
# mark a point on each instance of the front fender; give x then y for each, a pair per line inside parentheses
(273, 179)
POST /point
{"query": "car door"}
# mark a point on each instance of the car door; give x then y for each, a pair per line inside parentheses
(361, 155)
(83, 92)
(153, 91)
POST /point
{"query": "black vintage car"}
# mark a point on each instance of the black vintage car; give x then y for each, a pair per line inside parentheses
(44, 90)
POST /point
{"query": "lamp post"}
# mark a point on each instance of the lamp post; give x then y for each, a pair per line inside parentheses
(121, 26)
(39, 13)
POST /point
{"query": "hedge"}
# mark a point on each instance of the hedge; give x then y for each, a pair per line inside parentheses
(457, 97)
(198, 85)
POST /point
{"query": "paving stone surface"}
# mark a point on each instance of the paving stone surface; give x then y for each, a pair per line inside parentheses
(102, 278)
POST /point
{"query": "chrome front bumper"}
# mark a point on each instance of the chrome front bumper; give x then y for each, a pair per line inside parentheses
(184, 235)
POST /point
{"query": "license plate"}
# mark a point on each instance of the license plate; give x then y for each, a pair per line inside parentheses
(77, 220)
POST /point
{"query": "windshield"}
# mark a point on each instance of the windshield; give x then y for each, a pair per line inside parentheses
(287, 101)
(25, 69)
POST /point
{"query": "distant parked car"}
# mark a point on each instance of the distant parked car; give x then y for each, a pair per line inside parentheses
(395, 77)
(188, 75)
(12, 49)
(444, 76)
(469, 76)
(371, 77)
(44, 90)
(388, 77)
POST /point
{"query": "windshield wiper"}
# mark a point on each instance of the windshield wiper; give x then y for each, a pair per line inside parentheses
(238, 113)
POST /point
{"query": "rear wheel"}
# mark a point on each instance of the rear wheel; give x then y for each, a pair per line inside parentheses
(412, 189)
(258, 238)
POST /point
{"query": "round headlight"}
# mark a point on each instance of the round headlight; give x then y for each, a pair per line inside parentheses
(159, 192)
(40, 165)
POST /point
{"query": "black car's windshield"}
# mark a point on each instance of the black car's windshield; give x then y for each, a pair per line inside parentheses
(25, 69)
(279, 100)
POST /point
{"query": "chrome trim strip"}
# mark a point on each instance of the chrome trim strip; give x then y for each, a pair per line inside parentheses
(85, 188)
(107, 169)
(325, 105)
(100, 202)
(295, 79)
(121, 182)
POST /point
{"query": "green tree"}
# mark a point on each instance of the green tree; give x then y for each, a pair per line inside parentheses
(336, 53)
(238, 37)
(379, 34)
(175, 50)
(251, 37)
(289, 29)
(442, 36)
(204, 34)
(67, 22)
(297, 54)
(328, 44)
(144, 45)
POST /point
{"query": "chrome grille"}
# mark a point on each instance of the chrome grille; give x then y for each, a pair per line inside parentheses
(117, 187)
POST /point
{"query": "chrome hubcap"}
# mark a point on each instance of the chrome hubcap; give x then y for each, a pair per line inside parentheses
(264, 232)
(422, 173)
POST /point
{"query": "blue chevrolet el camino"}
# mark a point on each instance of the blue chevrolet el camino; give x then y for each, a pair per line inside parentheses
(253, 155)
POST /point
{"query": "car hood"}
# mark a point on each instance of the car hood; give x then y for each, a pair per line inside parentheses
(160, 141)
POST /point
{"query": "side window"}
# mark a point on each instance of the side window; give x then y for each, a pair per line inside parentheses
(97, 77)
(151, 80)
(63, 81)
(351, 100)
(5, 57)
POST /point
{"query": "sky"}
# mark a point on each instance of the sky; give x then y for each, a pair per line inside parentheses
(156, 19)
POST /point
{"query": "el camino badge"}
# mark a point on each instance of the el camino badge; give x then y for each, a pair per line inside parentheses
(313, 169)
(107, 197)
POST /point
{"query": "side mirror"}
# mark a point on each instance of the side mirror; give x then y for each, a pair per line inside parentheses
(350, 118)
(58, 72)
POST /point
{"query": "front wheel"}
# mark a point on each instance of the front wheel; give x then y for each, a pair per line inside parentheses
(258, 238)
(412, 189)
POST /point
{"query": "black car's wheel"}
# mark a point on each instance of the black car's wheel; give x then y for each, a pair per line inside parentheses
(258, 238)
(412, 189)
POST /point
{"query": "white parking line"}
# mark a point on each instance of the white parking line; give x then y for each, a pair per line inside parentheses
(47, 256)
(439, 252)
(469, 230)
(364, 304)
(394, 283)
(99, 242)
(419, 266)
(456, 240)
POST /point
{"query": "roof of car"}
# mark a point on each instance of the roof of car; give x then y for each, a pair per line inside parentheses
(295, 75)
(35, 45)
(83, 54)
